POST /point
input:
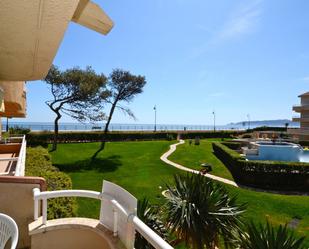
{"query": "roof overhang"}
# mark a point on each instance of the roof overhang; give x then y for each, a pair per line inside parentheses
(31, 33)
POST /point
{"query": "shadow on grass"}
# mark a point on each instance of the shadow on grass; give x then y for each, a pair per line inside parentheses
(108, 164)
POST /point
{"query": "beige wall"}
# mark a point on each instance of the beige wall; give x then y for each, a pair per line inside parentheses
(14, 98)
(16, 200)
(304, 100)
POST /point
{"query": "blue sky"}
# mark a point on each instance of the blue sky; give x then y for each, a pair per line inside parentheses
(234, 57)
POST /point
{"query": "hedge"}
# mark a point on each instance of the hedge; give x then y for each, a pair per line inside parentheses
(274, 175)
(232, 145)
(267, 128)
(304, 143)
(42, 138)
(210, 134)
(38, 163)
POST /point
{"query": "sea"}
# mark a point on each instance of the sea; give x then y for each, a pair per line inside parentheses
(48, 126)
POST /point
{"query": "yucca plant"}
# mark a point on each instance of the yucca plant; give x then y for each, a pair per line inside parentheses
(200, 212)
(269, 237)
(151, 217)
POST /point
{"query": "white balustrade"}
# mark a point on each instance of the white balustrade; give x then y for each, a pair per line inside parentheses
(20, 165)
(20, 160)
(117, 209)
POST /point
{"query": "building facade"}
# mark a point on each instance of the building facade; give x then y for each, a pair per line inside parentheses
(302, 134)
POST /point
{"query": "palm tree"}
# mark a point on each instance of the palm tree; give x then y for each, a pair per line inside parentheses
(268, 237)
(199, 211)
(150, 216)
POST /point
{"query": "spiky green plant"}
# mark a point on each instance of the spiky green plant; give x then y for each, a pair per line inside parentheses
(151, 217)
(269, 237)
(200, 211)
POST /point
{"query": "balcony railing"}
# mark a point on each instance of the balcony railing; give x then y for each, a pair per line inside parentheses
(298, 131)
(298, 108)
(15, 164)
(21, 161)
(119, 213)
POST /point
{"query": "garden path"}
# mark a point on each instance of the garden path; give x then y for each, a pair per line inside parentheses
(172, 149)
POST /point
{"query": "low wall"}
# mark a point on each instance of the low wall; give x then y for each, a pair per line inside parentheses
(16, 200)
(10, 148)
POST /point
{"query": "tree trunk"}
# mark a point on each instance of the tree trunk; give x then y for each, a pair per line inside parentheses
(102, 146)
(56, 130)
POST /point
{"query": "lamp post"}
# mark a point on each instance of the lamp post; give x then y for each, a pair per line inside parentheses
(7, 125)
(248, 116)
(155, 118)
(213, 113)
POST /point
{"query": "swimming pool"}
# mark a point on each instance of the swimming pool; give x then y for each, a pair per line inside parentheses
(277, 151)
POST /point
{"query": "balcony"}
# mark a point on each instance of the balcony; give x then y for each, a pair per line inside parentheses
(12, 156)
(299, 131)
(300, 108)
(300, 119)
(115, 228)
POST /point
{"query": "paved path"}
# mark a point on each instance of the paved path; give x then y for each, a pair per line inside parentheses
(165, 159)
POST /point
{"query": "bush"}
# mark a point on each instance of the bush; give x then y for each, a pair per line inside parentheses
(211, 134)
(170, 137)
(287, 176)
(38, 163)
(17, 130)
(304, 143)
(267, 128)
(196, 141)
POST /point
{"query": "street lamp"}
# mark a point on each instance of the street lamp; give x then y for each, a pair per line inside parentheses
(155, 118)
(7, 125)
(213, 113)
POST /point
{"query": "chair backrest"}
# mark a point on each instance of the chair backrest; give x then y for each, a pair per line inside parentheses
(8, 229)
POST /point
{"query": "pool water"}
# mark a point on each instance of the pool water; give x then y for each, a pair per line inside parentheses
(279, 152)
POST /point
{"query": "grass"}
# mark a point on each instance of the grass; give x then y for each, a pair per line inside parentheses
(192, 156)
(278, 209)
(133, 165)
(136, 167)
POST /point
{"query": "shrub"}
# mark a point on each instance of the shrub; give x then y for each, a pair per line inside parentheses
(267, 128)
(197, 141)
(269, 237)
(291, 176)
(211, 134)
(18, 130)
(170, 137)
(38, 163)
(304, 143)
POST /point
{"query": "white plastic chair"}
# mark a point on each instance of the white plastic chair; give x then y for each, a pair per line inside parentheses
(8, 229)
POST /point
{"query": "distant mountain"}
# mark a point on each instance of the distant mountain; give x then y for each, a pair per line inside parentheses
(273, 123)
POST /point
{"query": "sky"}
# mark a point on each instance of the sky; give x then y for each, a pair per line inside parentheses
(235, 57)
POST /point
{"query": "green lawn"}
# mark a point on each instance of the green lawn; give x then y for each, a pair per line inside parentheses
(277, 208)
(136, 167)
(192, 156)
(133, 165)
